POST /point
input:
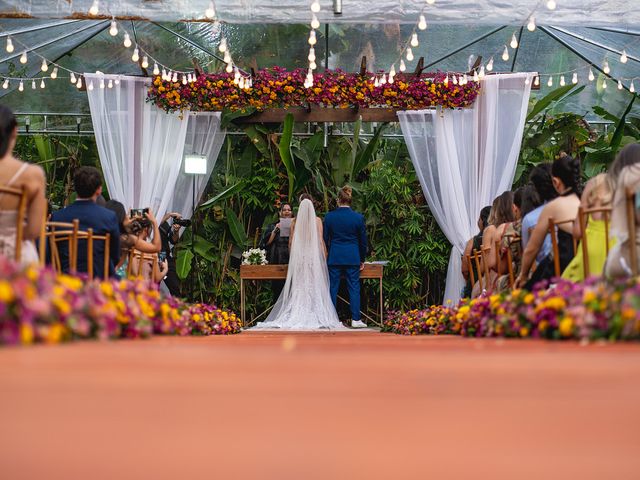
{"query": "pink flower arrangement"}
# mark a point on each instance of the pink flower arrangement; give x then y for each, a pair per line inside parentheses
(37, 305)
(278, 87)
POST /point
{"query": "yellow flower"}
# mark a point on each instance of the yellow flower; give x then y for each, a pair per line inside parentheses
(195, 317)
(524, 332)
(107, 289)
(62, 306)
(566, 326)
(72, 283)
(464, 309)
(55, 333)
(542, 326)
(528, 299)
(32, 274)
(628, 313)
(26, 334)
(589, 296)
(6, 292)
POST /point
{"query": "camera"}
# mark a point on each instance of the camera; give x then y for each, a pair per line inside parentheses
(183, 222)
(138, 212)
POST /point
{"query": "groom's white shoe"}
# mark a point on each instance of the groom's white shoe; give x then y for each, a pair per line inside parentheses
(358, 324)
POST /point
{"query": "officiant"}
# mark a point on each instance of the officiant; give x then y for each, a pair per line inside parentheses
(275, 241)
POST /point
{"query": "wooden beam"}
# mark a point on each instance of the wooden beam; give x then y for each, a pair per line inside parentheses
(300, 114)
(363, 66)
(419, 66)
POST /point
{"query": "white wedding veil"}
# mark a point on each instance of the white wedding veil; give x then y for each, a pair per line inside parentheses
(305, 302)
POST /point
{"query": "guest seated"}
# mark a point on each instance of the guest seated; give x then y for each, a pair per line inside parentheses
(131, 231)
(501, 215)
(88, 185)
(17, 174)
(566, 177)
(540, 178)
(625, 173)
(598, 193)
(474, 243)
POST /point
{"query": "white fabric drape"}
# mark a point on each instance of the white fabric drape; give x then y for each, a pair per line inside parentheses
(204, 137)
(141, 147)
(465, 158)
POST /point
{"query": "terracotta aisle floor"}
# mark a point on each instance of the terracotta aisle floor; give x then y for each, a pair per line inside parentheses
(353, 405)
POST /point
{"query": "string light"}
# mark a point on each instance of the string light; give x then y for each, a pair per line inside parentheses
(514, 41)
(562, 81)
(536, 82)
(431, 2)
(551, 5)
(127, 40)
(229, 68)
(210, 12)
(102, 83)
(409, 54)
(44, 66)
(482, 72)
(619, 85)
(174, 79)
(315, 23)
(42, 85)
(136, 55)
(531, 25)
(446, 80)
(113, 31)
(606, 68)
(223, 45)
(5, 85)
(490, 65)
(94, 10)
(33, 84)
(73, 77)
(392, 71)
(574, 80)
(422, 23)
(476, 78)
(623, 57)
(403, 67)
(21, 86)
(312, 37)
(9, 45)
(117, 81)
(604, 83)
(156, 69)
(550, 82)
(414, 40)
(315, 6)
(23, 58)
(184, 79)
(632, 87)
(526, 81)
(313, 65)
(454, 80)
(145, 62)
(505, 54)
(90, 86)
(110, 84)
(383, 79)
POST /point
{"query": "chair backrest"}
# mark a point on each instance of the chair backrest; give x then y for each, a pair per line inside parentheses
(630, 200)
(56, 233)
(583, 217)
(470, 267)
(554, 243)
(91, 237)
(139, 258)
(21, 193)
(512, 239)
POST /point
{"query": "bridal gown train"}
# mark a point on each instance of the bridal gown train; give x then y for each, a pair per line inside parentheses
(305, 302)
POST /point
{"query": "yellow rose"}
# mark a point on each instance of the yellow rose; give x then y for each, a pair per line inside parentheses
(566, 326)
(6, 292)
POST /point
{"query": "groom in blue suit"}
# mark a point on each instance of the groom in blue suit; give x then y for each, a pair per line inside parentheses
(346, 239)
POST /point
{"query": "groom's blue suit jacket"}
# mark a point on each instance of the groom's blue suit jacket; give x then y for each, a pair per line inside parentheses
(345, 237)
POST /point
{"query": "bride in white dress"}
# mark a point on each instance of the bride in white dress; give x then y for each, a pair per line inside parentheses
(305, 302)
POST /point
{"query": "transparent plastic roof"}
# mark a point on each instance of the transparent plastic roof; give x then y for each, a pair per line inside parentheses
(87, 46)
(485, 12)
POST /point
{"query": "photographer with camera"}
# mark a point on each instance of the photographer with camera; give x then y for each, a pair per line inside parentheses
(169, 236)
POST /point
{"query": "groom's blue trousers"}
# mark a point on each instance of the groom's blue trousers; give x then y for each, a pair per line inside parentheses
(352, 274)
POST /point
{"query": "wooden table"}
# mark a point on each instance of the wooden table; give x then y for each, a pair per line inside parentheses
(279, 272)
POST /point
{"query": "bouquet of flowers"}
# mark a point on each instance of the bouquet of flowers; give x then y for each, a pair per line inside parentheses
(254, 256)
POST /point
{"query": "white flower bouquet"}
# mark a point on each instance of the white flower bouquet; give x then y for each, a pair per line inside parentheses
(254, 256)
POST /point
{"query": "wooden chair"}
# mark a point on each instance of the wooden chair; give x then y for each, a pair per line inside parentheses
(21, 193)
(56, 233)
(470, 267)
(583, 216)
(512, 278)
(554, 243)
(630, 200)
(140, 258)
(90, 238)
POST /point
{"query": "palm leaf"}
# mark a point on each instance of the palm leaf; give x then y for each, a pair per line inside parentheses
(284, 147)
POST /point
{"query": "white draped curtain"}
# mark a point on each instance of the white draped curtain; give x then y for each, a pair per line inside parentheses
(465, 158)
(142, 148)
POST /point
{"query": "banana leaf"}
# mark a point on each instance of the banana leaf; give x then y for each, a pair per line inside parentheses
(284, 147)
(236, 228)
(555, 96)
(183, 263)
(222, 196)
(366, 156)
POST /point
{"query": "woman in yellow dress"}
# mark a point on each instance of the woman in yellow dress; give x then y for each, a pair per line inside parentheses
(598, 193)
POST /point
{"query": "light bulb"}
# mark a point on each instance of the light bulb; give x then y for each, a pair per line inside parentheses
(604, 83)
(127, 40)
(383, 79)
(465, 79)
(591, 75)
(414, 40)
(184, 79)
(33, 84)
(145, 62)
(136, 55)
(536, 82)
(164, 74)
(550, 82)
(312, 54)
(619, 85)
(223, 45)
(175, 77)
(391, 80)
(505, 54)
(376, 83)
(392, 71)
(44, 66)
(526, 81)
(42, 85)
(605, 68)
(551, 5)
(73, 77)
(102, 83)
(632, 87)
(476, 78)
(227, 57)
(315, 6)
(241, 82)
(21, 86)
(574, 79)
(403, 67)
(490, 65)
(454, 80)
(94, 10)
(431, 2)
(156, 69)
(23, 58)
(409, 54)
(5, 85)
(9, 45)
(482, 73)
(229, 68)
(312, 37)
(210, 12)
(113, 31)
(189, 78)
(54, 74)
(110, 84)
(446, 80)
(531, 26)
(313, 65)
(514, 41)
(562, 81)
(117, 81)
(315, 23)
(623, 57)
(422, 23)
(90, 86)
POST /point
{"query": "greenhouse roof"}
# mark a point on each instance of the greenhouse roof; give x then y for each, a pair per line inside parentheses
(568, 41)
